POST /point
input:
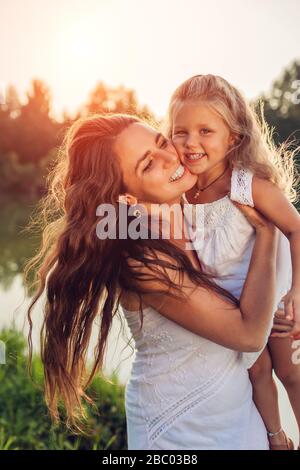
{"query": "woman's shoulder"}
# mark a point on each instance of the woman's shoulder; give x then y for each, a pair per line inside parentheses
(131, 303)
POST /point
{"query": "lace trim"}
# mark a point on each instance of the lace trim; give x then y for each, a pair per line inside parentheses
(217, 214)
(162, 422)
(209, 216)
(241, 186)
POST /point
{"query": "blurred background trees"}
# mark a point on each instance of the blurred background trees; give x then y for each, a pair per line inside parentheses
(282, 104)
(30, 135)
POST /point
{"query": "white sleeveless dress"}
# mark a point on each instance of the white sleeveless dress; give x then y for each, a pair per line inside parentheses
(224, 241)
(186, 392)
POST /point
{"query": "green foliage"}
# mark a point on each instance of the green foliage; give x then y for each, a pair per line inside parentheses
(24, 420)
(15, 247)
(28, 129)
(281, 104)
(23, 179)
(282, 110)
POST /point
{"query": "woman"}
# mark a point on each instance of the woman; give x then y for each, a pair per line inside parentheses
(188, 388)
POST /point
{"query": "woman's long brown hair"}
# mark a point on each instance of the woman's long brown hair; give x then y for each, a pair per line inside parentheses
(82, 276)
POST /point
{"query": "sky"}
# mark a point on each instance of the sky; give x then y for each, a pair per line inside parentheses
(148, 45)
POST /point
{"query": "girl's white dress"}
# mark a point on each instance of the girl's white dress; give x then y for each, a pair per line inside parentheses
(224, 241)
(186, 392)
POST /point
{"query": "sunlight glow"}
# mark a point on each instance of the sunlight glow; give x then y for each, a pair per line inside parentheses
(77, 42)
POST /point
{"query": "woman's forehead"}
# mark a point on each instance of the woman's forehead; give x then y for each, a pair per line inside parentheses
(134, 139)
(137, 130)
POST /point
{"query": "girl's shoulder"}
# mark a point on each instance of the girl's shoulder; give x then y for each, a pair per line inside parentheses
(241, 186)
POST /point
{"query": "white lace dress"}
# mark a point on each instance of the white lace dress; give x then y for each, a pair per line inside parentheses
(224, 241)
(186, 392)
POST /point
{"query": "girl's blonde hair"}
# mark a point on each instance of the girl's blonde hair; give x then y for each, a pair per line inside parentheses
(255, 149)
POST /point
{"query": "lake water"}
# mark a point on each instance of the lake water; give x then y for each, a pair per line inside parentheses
(118, 357)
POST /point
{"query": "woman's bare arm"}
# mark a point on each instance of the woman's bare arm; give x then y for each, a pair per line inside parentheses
(211, 316)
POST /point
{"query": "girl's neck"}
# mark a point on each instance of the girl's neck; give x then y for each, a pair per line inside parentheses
(217, 190)
(210, 175)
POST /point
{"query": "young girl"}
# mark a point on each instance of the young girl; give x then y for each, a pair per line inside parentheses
(219, 138)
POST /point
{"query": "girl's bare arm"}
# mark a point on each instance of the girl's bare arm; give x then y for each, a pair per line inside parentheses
(273, 204)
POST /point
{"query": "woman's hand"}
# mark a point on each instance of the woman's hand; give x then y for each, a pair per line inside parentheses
(282, 327)
(255, 218)
(291, 303)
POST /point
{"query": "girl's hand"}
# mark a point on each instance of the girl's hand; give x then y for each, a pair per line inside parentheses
(282, 327)
(292, 310)
(254, 217)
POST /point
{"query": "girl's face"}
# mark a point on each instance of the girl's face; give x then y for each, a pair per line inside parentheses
(200, 136)
(151, 168)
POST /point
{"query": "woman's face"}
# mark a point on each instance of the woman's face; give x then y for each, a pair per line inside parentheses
(200, 136)
(151, 168)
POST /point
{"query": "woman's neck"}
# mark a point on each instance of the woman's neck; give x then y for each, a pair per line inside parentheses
(166, 218)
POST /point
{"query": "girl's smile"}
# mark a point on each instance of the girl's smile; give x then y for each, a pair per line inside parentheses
(193, 158)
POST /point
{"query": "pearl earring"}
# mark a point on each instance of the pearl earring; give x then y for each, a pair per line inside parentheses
(137, 213)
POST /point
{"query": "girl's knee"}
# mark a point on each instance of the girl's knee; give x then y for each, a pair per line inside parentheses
(287, 365)
(288, 375)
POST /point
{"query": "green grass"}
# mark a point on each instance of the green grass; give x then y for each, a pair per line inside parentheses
(24, 419)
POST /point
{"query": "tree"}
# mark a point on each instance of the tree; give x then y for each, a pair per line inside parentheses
(104, 99)
(281, 104)
(8, 112)
(36, 132)
(13, 102)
